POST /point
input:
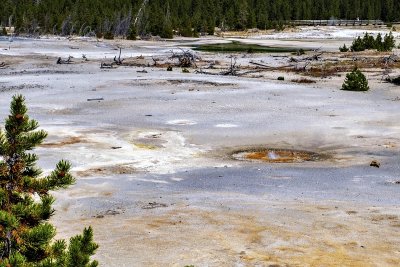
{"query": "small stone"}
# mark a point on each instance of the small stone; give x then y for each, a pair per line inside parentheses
(375, 164)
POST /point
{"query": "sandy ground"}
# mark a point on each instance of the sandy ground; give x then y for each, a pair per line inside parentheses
(156, 178)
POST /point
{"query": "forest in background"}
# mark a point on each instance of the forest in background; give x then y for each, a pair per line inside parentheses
(185, 17)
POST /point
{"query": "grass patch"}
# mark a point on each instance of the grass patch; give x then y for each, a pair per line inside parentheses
(238, 47)
(303, 80)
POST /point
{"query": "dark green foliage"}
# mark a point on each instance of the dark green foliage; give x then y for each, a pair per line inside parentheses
(301, 52)
(395, 81)
(236, 46)
(344, 48)
(369, 42)
(357, 45)
(132, 33)
(3, 32)
(73, 16)
(378, 42)
(388, 42)
(25, 235)
(80, 248)
(167, 32)
(355, 81)
(109, 35)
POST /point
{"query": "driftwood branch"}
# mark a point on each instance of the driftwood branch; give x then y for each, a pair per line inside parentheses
(66, 61)
(104, 65)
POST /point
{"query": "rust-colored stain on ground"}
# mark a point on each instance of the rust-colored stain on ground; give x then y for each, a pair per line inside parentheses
(65, 142)
(107, 170)
(276, 155)
(298, 236)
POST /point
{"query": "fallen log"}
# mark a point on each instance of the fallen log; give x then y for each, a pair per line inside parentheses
(62, 61)
(104, 65)
(95, 99)
(266, 67)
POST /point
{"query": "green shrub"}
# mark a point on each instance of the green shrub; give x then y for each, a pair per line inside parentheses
(132, 33)
(369, 42)
(355, 81)
(388, 42)
(395, 81)
(3, 32)
(344, 48)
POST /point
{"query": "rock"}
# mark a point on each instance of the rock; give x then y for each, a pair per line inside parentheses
(112, 212)
(375, 164)
(154, 205)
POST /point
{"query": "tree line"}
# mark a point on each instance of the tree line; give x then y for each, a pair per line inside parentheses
(186, 17)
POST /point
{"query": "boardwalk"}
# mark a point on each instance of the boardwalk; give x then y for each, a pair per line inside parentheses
(336, 22)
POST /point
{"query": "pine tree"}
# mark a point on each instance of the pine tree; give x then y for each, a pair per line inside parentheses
(378, 42)
(25, 235)
(344, 48)
(3, 31)
(388, 42)
(357, 45)
(355, 81)
(132, 32)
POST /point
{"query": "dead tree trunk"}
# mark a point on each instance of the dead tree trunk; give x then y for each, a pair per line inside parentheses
(118, 60)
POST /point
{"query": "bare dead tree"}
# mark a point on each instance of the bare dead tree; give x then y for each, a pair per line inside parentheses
(66, 26)
(107, 26)
(118, 60)
(81, 29)
(122, 24)
(140, 12)
(155, 60)
(54, 29)
(10, 18)
(232, 70)
(186, 58)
